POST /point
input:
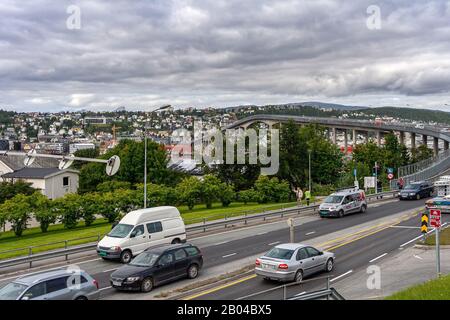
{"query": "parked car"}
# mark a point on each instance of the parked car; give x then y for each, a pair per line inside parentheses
(142, 229)
(156, 266)
(60, 284)
(343, 202)
(417, 190)
(293, 262)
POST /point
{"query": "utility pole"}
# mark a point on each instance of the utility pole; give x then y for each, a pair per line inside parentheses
(309, 157)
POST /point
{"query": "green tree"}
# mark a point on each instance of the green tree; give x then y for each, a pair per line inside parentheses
(109, 186)
(131, 170)
(293, 161)
(210, 188)
(226, 194)
(272, 189)
(17, 211)
(157, 194)
(189, 191)
(421, 153)
(44, 211)
(247, 196)
(70, 209)
(85, 153)
(10, 189)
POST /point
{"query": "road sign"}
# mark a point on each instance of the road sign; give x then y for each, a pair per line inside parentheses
(435, 218)
(424, 228)
(390, 170)
(390, 176)
(369, 182)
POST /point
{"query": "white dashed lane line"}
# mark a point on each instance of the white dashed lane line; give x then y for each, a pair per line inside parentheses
(229, 255)
(379, 257)
(273, 243)
(341, 276)
(310, 233)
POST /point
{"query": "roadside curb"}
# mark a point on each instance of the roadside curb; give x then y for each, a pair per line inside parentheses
(431, 247)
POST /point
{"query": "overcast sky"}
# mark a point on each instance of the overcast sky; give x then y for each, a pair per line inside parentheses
(142, 54)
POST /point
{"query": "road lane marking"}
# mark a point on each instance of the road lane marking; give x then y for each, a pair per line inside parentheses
(219, 287)
(379, 257)
(219, 243)
(405, 227)
(105, 288)
(229, 255)
(310, 233)
(342, 275)
(110, 270)
(274, 243)
(417, 257)
(261, 233)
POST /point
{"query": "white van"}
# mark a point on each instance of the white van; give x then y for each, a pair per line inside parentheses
(142, 229)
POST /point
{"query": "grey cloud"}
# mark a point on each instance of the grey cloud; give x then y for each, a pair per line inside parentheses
(222, 52)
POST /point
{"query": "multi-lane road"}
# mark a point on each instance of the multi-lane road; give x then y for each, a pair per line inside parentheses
(223, 248)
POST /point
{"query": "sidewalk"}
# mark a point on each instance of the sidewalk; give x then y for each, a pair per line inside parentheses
(407, 268)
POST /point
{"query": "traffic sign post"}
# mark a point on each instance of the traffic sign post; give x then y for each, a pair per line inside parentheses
(290, 223)
(424, 227)
(435, 222)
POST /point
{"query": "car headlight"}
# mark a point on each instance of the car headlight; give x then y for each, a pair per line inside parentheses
(332, 208)
(132, 279)
(412, 194)
(115, 248)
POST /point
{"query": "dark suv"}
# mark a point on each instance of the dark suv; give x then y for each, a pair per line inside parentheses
(417, 190)
(156, 266)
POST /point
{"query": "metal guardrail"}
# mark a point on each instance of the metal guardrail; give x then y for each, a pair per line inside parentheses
(423, 165)
(320, 294)
(202, 227)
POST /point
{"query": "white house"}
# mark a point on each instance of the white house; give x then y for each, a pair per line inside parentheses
(43, 174)
(52, 182)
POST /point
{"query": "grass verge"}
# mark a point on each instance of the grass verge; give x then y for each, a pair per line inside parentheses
(444, 238)
(57, 233)
(438, 289)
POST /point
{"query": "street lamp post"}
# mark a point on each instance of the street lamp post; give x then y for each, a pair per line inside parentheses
(145, 156)
(309, 170)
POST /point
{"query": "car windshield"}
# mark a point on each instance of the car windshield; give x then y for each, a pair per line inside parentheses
(279, 253)
(412, 186)
(145, 259)
(12, 291)
(333, 199)
(120, 231)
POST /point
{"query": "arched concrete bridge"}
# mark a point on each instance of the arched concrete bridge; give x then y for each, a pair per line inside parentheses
(335, 125)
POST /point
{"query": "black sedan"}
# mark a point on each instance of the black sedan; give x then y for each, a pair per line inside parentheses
(417, 190)
(156, 266)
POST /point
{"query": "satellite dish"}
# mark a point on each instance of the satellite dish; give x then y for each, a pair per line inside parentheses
(113, 165)
(65, 163)
(29, 158)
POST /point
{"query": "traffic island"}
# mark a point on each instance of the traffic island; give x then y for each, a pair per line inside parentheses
(438, 289)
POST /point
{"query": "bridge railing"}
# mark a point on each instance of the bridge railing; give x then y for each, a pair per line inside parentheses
(422, 165)
(430, 173)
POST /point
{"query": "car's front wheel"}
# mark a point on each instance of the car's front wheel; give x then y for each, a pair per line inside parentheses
(329, 265)
(125, 256)
(341, 213)
(147, 285)
(192, 271)
(418, 196)
(363, 208)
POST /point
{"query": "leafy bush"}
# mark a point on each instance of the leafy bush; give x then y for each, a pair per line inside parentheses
(247, 196)
(189, 191)
(17, 211)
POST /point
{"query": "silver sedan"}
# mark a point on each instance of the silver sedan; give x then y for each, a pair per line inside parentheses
(292, 262)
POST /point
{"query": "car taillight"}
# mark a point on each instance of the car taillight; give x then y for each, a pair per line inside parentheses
(96, 283)
(283, 266)
(257, 262)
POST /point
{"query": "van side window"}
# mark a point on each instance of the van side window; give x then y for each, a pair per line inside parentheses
(154, 227)
(138, 231)
(56, 284)
(191, 251)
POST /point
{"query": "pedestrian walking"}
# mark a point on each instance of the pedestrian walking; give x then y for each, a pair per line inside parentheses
(308, 197)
